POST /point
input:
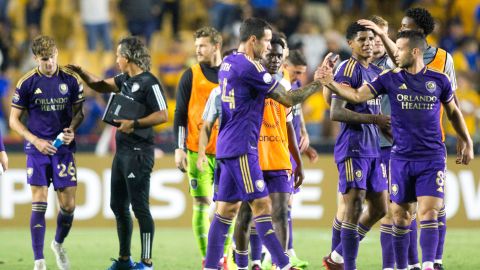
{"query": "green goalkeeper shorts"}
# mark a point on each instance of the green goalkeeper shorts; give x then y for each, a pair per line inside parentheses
(201, 183)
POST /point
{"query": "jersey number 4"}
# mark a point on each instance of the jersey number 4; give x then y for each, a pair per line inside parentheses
(230, 98)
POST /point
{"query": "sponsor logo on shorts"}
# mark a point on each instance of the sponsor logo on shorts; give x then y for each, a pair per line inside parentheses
(394, 189)
(194, 183)
(260, 184)
(358, 174)
(29, 172)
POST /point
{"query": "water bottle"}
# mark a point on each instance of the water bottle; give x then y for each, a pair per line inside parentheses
(58, 141)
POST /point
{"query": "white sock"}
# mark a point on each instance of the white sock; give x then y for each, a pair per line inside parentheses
(438, 261)
(388, 269)
(402, 269)
(413, 266)
(427, 265)
(287, 267)
(257, 262)
(291, 253)
(336, 257)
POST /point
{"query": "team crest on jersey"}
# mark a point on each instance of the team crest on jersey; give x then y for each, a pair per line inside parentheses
(358, 174)
(194, 183)
(267, 78)
(394, 190)
(260, 184)
(431, 86)
(16, 97)
(29, 172)
(135, 87)
(63, 88)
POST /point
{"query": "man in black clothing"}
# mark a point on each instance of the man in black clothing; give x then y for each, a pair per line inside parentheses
(133, 161)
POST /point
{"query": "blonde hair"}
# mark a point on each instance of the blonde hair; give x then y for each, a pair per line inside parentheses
(43, 46)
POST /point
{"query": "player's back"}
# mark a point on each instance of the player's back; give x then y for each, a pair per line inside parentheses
(244, 84)
(357, 140)
(416, 110)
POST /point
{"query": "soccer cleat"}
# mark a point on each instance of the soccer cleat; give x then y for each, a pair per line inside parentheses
(438, 266)
(297, 263)
(40, 265)
(415, 268)
(330, 264)
(60, 255)
(121, 265)
(225, 263)
(142, 266)
(256, 267)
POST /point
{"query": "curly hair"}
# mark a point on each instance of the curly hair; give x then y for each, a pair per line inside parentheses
(43, 46)
(422, 18)
(136, 52)
(210, 32)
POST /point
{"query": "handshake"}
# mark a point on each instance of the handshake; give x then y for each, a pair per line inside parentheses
(324, 72)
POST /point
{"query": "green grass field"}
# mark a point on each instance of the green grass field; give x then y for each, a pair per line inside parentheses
(175, 249)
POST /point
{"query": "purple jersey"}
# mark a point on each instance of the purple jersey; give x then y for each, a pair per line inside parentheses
(49, 103)
(244, 83)
(357, 140)
(415, 101)
(297, 113)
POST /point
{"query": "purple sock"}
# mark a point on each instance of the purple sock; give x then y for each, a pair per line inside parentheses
(336, 228)
(401, 240)
(64, 223)
(290, 228)
(442, 232)
(350, 242)
(255, 245)
(267, 236)
(428, 239)
(362, 230)
(241, 258)
(413, 247)
(37, 228)
(216, 240)
(388, 258)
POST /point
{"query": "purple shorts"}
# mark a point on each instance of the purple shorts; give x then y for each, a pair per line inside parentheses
(279, 181)
(412, 179)
(58, 169)
(362, 173)
(239, 179)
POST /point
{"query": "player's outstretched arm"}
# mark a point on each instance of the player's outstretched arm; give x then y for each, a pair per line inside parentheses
(203, 140)
(97, 84)
(290, 98)
(465, 152)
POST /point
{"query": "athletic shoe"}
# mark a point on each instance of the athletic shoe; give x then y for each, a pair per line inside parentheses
(297, 263)
(330, 264)
(266, 263)
(40, 265)
(60, 255)
(415, 268)
(438, 266)
(121, 265)
(141, 266)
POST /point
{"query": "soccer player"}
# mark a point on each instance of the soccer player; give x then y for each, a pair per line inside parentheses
(276, 142)
(52, 96)
(133, 161)
(357, 152)
(193, 90)
(418, 157)
(419, 19)
(245, 84)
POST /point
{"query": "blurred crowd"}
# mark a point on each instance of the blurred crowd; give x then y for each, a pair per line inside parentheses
(86, 32)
